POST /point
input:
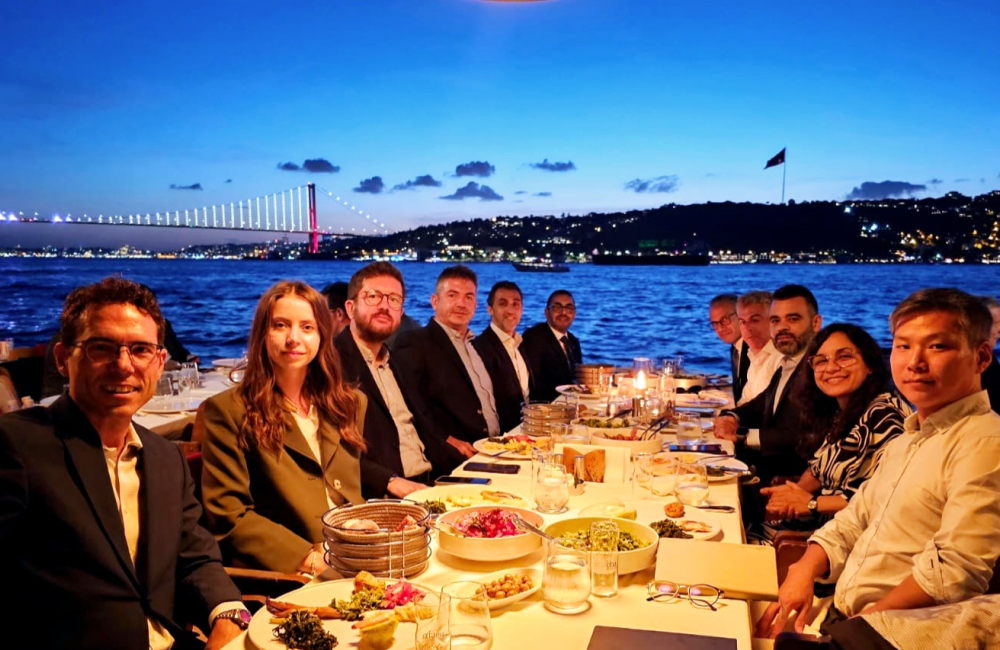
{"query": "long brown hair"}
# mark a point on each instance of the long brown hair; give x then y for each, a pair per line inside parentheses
(337, 404)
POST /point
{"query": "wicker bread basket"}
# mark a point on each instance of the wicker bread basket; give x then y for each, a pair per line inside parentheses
(386, 554)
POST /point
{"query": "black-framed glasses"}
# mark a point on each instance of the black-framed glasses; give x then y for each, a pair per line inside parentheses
(700, 595)
(373, 298)
(842, 359)
(100, 350)
(558, 306)
(722, 322)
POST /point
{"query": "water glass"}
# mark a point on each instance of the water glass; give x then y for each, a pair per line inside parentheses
(165, 384)
(187, 378)
(626, 388)
(662, 483)
(688, 428)
(558, 432)
(565, 578)
(604, 559)
(552, 488)
(431, 612)
(642, 470)
(578, 433)
(691, 485)
(468, 615)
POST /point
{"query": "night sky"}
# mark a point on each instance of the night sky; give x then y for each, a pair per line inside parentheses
(425, 111)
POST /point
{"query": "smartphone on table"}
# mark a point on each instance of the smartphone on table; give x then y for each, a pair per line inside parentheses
(493, 468)
(463, 480)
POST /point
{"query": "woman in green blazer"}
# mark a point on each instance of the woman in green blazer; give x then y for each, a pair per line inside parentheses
(283, 447)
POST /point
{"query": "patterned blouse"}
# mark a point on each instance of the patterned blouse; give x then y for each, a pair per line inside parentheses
(843, 466)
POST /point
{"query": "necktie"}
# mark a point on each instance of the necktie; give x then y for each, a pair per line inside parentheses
(566, 350)
(744, 366)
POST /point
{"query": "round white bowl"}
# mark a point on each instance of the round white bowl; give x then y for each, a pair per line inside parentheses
(628, 561)
(483, 549)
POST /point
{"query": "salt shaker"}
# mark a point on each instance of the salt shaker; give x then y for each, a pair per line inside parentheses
(579, 476)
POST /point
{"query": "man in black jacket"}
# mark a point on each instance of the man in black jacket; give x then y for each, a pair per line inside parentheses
(456, 391)
(497, 345)
(549, 348)
(400, 458)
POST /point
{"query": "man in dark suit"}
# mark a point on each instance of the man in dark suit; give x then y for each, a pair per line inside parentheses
(991, 376)
(497, 345)
(549, 348)
(400, 459)
(767, 428)
(723, 319)
(99, 534)
(456, 392)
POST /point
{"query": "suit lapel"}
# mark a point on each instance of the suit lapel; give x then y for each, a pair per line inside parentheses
(367, 381)
(448, 349)
(154, 495)
(293, 439)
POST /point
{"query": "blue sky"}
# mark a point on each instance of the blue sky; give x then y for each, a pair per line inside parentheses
(103, 110)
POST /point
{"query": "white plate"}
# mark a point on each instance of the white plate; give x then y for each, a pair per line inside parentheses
(166, 405)
(261, 630)
(226, 363)
(570, 390)
(481, 446)
(473, 493)
(700, 401)
(693, 514)
(500, 603)
(708, 460)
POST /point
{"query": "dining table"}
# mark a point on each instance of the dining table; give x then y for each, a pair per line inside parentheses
(529, 624)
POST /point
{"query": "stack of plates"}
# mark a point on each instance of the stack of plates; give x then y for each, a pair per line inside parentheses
(384, 554)
(589, 374)
(538, 418)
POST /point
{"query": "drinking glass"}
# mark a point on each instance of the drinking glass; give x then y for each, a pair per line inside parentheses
(468, 615)
(565, 578)
(691, 484)
(552, 488)
(604, 559)
(187, 378)
(579, 433)
(539, 458)
(688, 428)
(605, 380)
(626, 388)
(431, 612)
(642, 469)
(165, 384)
(558, 432)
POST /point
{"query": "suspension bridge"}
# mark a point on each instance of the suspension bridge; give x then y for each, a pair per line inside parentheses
(290, 211)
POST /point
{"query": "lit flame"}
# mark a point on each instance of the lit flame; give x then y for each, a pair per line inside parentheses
(640, 381)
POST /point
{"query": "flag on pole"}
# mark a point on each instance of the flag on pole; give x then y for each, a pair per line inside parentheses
(778, 159)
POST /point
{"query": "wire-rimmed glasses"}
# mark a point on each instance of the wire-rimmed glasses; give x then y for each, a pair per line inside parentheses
(842, 359)
(101, 351)
(700, 595)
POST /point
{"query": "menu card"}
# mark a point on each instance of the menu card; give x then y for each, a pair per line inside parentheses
(616, 638)
(741, 570)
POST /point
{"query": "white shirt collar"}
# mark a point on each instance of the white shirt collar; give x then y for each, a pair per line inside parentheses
(506, 338)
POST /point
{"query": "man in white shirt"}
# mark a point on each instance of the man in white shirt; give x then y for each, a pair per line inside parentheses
(753, 310)
(723, 318)
(498, 346)
(925, 529)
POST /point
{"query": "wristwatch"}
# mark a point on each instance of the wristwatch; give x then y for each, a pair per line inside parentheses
(239, 616)
(811, 506)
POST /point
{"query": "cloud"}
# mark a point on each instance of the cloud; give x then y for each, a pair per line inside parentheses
(567, 166)
(474, 191)
(962, 180)
(521, 192)
(312, 165)
(542, 194)
(871, 191)
(193, 186)
(229, 180)
(420, 181)
(482, 169)
(935, 181)
(663, 184)
(373, 185)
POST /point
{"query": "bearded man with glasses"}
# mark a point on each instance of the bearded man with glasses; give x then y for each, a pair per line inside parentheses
(99, 533)
(402, 456)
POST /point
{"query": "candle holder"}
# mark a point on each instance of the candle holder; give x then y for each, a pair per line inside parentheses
(638, 407)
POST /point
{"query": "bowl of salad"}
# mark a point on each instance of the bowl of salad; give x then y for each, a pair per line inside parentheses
(487, 533)
(637, 543)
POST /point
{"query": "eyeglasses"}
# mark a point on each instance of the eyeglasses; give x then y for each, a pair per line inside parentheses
(722, 322)
(558, 306)
(107, 351)
(700, 595)
(373, 298)
(843, 359)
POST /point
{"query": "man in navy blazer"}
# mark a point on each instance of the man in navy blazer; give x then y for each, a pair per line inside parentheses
(99, 536)
(549, 348)
(498, 346)
(401, 456)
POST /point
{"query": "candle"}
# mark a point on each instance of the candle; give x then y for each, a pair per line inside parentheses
(640, 382)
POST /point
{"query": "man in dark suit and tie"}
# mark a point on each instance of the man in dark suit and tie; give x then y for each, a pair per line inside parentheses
(497, 345)
(549, 348)
(455, 389)
(723, 319)
(767, 428)
(400, 457)
(99, 534)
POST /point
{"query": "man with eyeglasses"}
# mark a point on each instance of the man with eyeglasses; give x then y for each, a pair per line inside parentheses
(725, 322)
(99, 533)
(925, 528)
(498, 346)
(767, 428)
(753, 310)
(550, 349)
(455, 389)
(399, 459)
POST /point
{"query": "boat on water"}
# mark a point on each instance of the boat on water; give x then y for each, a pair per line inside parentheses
(652, 259)
(541, 267)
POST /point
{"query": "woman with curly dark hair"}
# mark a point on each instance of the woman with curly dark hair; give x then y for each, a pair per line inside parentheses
(283, 447)
(850, 412)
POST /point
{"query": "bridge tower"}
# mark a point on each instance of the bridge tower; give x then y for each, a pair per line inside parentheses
(313, 236)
